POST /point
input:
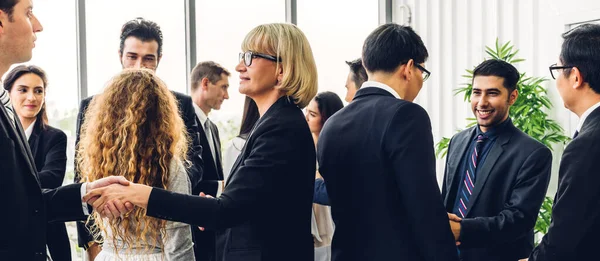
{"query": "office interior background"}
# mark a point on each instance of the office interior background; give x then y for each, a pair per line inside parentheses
(79, 48)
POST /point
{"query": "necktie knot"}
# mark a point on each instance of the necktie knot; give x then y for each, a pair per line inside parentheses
(481, 138)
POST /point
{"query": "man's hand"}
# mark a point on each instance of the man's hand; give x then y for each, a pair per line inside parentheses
(204, 196)
(455, 226)
(524, 259)
(103, 182)
(109, 199)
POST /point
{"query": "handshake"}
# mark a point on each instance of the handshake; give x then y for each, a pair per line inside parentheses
(115, 196)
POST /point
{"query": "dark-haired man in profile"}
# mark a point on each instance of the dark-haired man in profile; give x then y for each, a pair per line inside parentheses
(576, 211)
(376, 155)
(496, 176)
(141, 47)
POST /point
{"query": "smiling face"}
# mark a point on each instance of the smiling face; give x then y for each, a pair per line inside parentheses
(28, 95)
(491, 101)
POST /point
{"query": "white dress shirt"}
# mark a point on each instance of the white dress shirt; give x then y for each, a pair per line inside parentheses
(374, 84)
(29, 129)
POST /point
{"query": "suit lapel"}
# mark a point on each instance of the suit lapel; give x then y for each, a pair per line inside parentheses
(485, 170)
(461, 144)
(21, 143)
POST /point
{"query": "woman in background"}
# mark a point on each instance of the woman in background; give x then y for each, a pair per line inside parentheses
(323, 106)
(27, 86)
(235, 146)
(134, 129)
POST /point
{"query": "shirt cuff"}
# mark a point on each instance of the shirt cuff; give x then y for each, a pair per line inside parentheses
(84, 205)
(219, 188)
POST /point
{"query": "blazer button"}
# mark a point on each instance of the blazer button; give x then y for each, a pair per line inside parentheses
(39, 253)
(36, 211)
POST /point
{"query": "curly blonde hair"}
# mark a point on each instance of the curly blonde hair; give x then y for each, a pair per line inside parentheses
(132, 129)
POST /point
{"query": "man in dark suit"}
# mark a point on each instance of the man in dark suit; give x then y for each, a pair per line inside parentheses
(576, 211)
(356, 77)
(496, 176)
(141, 47)
(376, 155)
(209, 83)
(27, 208)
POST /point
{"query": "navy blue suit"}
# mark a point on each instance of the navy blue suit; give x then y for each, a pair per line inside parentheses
(376, 156)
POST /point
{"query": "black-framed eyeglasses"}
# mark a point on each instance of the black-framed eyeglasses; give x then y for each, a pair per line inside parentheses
(556, 67)
(249, 55)
(425, 72)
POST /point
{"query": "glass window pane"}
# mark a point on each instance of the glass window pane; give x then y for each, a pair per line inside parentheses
(336, 31)
(221, 27)
(104, 21)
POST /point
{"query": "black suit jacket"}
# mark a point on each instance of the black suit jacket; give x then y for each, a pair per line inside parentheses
(204, 241)
(510, 187)
(26, 208)
(188, 115)
(49, 148)
(265, 211)
(573, 233)
(376, 156)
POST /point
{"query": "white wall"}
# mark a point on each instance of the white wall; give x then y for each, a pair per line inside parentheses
(456, 33)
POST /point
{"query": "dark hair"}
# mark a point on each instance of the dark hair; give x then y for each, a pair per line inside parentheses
(8, 6)
(328, 103)
(208, 69)
(144, 30)
(580, 49)
(249, 118)
(390, 46)
(499, 68)
(359, 74)
(21, 70)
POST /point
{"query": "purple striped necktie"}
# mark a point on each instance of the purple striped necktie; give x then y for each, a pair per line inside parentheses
(468, 183)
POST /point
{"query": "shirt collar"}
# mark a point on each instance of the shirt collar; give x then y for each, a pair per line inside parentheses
(585, 115)
(384, 86)
(493, 132)
(29, 129)
(200, 113)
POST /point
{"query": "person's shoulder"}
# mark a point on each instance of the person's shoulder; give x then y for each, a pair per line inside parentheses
(181, 96)
(54, 133)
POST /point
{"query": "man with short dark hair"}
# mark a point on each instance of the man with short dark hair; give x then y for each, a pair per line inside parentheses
(141, 47)
(576, 211)
(209, 84)
(356, 77)
(496, 176)
(376, 155)
(27, 209)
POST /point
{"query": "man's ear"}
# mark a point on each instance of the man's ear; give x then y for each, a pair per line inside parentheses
(577, 78)
(512, 98)
(405, 70)
(204, 84)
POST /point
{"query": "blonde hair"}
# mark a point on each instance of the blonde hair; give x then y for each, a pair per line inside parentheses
(289, 43)
(132, 129)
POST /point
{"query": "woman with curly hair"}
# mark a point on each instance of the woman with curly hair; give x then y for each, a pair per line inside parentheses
(133, 129)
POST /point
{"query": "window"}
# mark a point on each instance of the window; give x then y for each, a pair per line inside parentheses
(104, 20)
(336, 31)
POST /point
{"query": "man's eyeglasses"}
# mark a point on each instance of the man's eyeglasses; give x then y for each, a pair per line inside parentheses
(556, 67)
(425, 72)
(249, 55)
